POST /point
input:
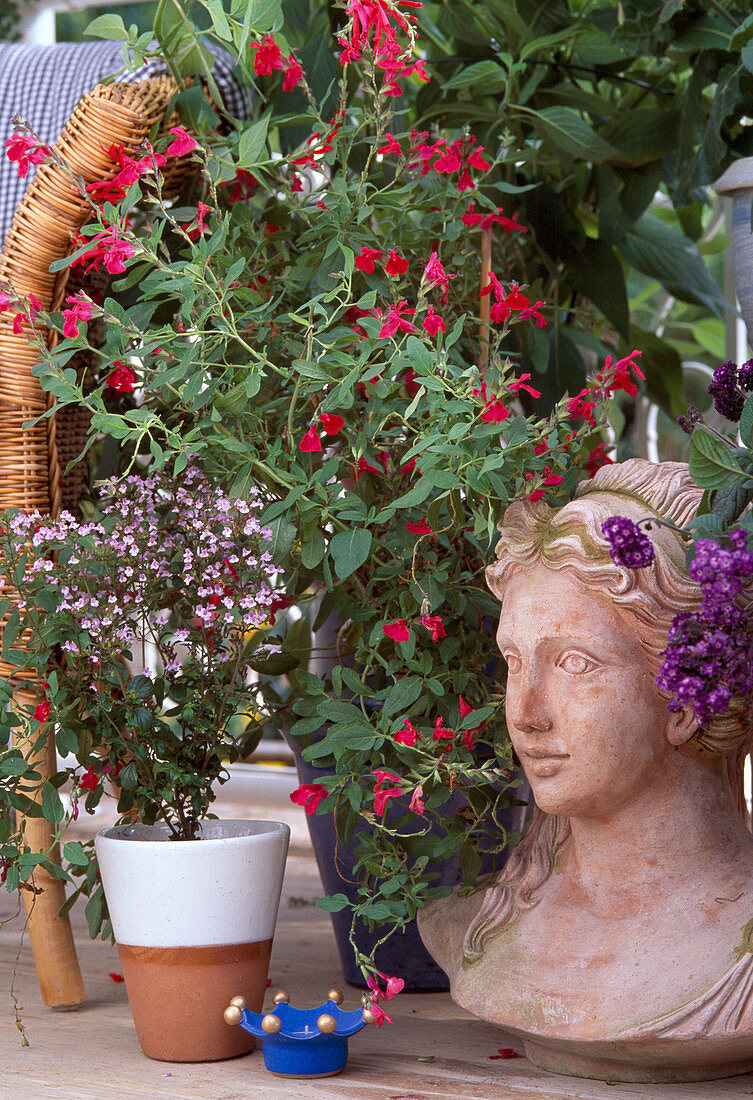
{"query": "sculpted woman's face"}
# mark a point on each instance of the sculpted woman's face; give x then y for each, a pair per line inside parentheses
(583, 710)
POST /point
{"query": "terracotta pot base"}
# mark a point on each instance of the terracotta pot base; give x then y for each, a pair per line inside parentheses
(178, 995)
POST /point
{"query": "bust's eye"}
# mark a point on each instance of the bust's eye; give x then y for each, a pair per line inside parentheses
(514, 663)
(576, 664)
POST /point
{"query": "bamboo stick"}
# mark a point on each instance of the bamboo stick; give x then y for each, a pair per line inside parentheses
(50, 934)
(485, 306)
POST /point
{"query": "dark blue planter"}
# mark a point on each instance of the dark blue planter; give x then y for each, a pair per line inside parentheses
(404, 954)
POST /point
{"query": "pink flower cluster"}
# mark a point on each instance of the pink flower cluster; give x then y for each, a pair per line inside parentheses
(174, 561)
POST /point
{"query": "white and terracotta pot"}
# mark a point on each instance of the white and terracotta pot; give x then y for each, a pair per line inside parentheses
(194, 922)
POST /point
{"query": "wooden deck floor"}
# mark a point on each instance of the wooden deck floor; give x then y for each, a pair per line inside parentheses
(93, 1054)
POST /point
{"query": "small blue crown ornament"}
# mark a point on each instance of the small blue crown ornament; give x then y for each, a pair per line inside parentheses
(301, 1042)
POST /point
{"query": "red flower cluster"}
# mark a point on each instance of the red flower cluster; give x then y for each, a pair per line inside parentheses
(269, 57)
(25, 151)
(494, 411)
(240, 187)
(448, 159)
(309, 795)
(104, 248)
(113, 190)
(371, 26)
(397, 630)
(41, 711)
(597, 458)
(383, 794)
(486, 221)
(548, 479)
(318, 146)
(89, 781)
(433, 624)
(505, 304)
(397, 319)
(396, 264)
(433, 323)
(122, 379)
(610, 379)
(80, 309)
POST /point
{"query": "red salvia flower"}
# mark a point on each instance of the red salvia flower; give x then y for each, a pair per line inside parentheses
(396, 264)
(397, 630)
(365, 259)
(407, 735)
(310, 441)
(331, 422)
(309, 795)
(122, 379)
(183, 143)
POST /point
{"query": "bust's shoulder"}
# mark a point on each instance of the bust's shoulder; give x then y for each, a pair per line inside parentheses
(443, 925)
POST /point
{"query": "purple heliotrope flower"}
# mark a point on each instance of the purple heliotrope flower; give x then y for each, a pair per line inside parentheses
(729, 387)
(628, 545)
(709, 656)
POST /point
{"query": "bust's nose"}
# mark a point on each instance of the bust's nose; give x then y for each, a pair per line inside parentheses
(527, 707)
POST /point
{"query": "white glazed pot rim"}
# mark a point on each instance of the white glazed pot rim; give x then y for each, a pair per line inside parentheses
(226, 830)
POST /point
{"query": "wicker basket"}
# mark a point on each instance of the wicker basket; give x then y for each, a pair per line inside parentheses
(32, 458)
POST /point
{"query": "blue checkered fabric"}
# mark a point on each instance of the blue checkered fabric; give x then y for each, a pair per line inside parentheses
(43, 84)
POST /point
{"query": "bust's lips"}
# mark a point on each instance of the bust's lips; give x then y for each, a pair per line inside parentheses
(545, 754)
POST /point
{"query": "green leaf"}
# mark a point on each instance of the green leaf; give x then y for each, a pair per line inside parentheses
(746, 422)
(313, 548)
(179, 40)
(349, 550)
(107, 26)
(283, 537)
(75, 854)
(643, 134)
(334, 903)
(401, 696)
(567, 133)
(252, 142)
(672, 259)
(52, 807)
(488, 74)
(729, 504)
(712, 464)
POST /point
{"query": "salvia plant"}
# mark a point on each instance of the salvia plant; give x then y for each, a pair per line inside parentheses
(339, 312)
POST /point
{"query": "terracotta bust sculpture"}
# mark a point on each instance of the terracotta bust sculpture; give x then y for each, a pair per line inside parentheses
(618, 939)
